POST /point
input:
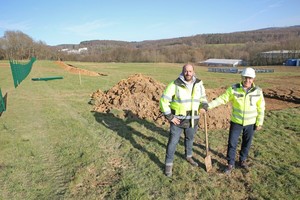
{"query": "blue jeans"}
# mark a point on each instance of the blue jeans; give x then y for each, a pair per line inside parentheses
(174, 138)
(234, 133)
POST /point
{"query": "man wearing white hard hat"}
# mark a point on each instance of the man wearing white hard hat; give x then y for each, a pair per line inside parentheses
(248, 106)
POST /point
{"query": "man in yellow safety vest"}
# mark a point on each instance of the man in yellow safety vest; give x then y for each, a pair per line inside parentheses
(248, 106)
(180, 104)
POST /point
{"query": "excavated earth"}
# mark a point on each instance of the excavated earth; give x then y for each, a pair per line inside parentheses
(139, 96)
(72, 69)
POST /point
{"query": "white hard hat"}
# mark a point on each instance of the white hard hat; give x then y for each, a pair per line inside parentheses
(249, 72)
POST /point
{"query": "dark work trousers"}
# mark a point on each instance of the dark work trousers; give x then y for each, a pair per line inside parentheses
(174, 138)
(234, 133)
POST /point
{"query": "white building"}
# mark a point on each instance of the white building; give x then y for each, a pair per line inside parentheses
(222, 62)
(281, 54)
(75, 51)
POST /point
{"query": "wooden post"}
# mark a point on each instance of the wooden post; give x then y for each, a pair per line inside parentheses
(79, 77)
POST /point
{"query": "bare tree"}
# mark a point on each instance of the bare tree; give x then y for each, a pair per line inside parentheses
(18, 45)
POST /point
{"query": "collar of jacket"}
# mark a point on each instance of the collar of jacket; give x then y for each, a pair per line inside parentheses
(179, 82)
(240, 85)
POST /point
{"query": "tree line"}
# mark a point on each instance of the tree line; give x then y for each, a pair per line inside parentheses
(246, 45)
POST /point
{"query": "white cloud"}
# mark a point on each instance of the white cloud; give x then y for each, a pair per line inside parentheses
(87, 29)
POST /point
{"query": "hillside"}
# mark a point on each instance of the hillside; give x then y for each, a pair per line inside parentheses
(245, 45)
(272, 34)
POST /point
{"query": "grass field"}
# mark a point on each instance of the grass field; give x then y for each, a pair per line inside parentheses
(53, 147)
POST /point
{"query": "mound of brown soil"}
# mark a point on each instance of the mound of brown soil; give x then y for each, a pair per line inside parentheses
(219, 117)
(139, 95)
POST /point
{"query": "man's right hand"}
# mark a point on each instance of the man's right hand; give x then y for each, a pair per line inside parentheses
(175, 121)
(202, 111)
(257, 128)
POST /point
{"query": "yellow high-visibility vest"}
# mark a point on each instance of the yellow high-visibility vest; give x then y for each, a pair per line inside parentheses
(247, 107)
(177, 100)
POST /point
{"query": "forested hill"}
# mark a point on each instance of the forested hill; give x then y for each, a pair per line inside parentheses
(273, 34)
(245, 45)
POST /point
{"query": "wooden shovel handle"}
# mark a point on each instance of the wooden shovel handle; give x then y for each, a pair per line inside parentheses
(206, 135)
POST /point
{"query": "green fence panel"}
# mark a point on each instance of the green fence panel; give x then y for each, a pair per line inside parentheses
(20, 71)
(2, 102)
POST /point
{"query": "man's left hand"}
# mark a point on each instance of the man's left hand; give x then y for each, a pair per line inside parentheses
(258, 128)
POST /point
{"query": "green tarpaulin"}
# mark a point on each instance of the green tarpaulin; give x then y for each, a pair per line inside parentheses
(47, 78)
(2, 103)
(20, 71)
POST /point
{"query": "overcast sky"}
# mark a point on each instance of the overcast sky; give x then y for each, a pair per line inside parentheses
(72, 21)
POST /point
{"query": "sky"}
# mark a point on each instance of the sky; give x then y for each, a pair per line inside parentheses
(57, 22)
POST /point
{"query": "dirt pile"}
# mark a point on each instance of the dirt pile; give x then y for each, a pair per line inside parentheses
(284, 94)
(72, 69)
(139, 96)
(219, 117)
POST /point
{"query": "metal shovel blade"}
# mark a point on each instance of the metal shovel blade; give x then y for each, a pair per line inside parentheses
(207, 161)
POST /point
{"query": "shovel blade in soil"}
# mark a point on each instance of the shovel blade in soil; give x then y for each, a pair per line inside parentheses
(208, 165)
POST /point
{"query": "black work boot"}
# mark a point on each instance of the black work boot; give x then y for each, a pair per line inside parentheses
(243, 164)
(168, 170)
(228, 169)
(191, 161)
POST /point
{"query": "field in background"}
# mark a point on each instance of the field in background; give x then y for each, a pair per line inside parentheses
(53, 147)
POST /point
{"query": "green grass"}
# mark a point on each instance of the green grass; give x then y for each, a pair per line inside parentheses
(53, 147)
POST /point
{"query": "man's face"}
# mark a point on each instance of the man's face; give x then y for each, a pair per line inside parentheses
(247, 82)
(188, 73)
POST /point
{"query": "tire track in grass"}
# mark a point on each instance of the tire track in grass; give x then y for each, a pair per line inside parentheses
(53, 172)
(35, 171)
(51, 177)
(49, 173)
(60, 172)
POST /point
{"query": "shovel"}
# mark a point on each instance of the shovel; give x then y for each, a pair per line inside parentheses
(208, 165)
